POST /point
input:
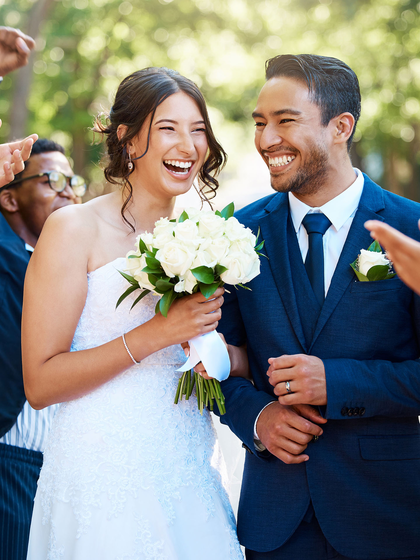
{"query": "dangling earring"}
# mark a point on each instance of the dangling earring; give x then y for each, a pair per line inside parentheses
(130, 164)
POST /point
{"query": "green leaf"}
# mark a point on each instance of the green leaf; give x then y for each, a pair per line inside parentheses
(244, 287)
(375, 247)
(164, 285)
(208, 289)
(173, 220)
(153, 263)
(142, 246)
(166, 301)
(141, 296)
(228, 211)
(184, 216)
(218, 214)
(260, 246)
(154, 271)
(219, 269)
(203, 274)
(133, 257)
(378, 272)
(127, 292)
(130, 279)
(157, 307)
(361, 277)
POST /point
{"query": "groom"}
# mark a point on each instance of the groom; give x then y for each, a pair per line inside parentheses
(339, 478)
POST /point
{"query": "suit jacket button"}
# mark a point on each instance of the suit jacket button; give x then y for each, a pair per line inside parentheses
(344, 411)
(350, 412)
(356, 411)
(362, 411)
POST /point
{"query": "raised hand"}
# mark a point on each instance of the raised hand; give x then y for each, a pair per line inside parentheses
(298, 379)
(403, 251)
(286, 431)
(15, 48)
(12, 156)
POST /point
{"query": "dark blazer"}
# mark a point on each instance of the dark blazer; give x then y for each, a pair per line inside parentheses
(363, 475)
(14, 259)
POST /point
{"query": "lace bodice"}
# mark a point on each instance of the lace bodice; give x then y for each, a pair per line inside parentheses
(127, 436)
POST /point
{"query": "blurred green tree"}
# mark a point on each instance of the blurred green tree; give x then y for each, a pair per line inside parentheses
(85, 47)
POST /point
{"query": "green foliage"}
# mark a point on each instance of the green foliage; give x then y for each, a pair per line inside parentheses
(86, 47)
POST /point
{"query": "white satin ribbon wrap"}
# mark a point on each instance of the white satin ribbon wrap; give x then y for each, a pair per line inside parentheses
(211, 350)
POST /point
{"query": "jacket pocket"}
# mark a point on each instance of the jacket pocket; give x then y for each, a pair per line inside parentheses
(390, 448)
(378, 286)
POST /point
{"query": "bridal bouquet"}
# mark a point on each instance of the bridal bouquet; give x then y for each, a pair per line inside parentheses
(199, 251)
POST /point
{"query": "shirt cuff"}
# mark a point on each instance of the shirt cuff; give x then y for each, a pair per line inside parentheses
(259, 446)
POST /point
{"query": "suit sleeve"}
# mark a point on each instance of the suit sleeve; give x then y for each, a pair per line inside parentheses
(12, 273)
(375, 387)
(243, 401)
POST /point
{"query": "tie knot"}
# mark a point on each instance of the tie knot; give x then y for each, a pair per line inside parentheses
(316, 223)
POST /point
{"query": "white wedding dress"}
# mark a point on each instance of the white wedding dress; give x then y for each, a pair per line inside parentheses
(127, 474)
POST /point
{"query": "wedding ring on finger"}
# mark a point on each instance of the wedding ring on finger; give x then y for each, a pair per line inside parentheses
(288, 389)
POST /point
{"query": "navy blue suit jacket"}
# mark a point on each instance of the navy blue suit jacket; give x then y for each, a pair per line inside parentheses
(363, 475)
(14, 260)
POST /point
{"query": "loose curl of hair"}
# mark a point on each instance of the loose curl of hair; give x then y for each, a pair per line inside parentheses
(137, 97)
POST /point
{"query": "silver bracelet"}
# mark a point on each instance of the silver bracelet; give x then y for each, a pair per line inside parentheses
(128, 351)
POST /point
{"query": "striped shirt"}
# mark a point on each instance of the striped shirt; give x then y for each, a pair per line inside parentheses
(31, 428)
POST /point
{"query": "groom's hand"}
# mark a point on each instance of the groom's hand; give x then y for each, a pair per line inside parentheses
(286, 431)
(298, 379)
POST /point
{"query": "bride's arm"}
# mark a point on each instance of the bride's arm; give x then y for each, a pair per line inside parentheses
(55, 294)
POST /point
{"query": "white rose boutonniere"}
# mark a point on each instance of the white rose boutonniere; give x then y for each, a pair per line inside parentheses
(372, 265)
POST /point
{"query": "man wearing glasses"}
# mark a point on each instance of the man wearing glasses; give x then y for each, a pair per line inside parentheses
(46, 184)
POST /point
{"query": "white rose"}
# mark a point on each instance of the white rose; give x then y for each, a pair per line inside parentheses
(203, 258)
(163, 232)
(217, 248)
(235, 231)
(132, 264)
(193, 213)
(135, 269)
(147, 239)
(175, 258)
(187, 283)
(367, 259)
(211, 225)
(187, 232)
(246, 246)
(241, 268)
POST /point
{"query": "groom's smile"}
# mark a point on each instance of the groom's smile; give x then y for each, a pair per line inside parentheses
(290, 137)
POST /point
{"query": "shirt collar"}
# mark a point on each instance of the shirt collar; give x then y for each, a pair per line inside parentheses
(29, 248)
(338, 210)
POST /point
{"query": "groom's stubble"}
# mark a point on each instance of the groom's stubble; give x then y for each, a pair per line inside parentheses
(309, 178)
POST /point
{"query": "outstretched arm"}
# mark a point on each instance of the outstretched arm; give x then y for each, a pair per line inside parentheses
(15, 48)
(12, 156)
(403, 251)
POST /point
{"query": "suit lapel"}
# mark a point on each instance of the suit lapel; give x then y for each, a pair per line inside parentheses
(274, 232)
(358, 238)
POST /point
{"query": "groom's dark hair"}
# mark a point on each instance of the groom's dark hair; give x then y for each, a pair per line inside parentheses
(333, 85)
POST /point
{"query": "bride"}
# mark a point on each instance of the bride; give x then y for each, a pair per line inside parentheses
(127, 474)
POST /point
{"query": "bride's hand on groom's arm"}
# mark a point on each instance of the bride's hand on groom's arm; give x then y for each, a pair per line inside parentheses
(286, 431)
(298, 379)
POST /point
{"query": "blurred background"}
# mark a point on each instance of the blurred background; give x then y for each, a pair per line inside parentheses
(85, 47)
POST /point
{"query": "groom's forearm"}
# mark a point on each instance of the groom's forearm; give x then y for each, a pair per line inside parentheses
(243, 404)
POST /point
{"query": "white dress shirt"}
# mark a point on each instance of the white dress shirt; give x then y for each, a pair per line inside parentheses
(340, 211)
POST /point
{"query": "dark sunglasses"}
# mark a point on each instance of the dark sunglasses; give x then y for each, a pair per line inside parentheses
(58, 182)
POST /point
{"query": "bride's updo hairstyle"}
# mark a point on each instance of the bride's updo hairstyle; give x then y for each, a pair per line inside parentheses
(137, 97)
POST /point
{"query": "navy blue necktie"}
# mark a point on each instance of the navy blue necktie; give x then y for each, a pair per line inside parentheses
(316, 225)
